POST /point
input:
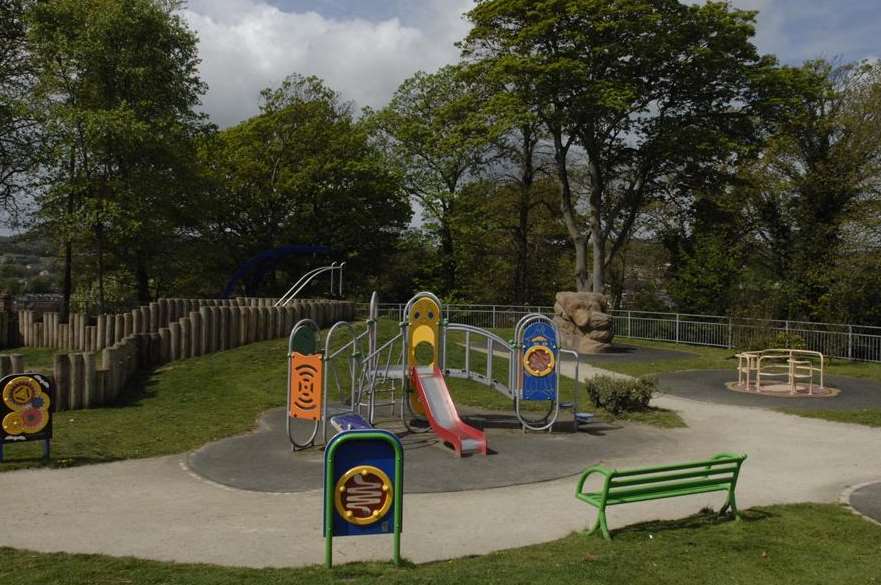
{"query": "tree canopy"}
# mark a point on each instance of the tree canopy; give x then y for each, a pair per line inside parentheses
(302, 171)
(652, 99)
(644, 149)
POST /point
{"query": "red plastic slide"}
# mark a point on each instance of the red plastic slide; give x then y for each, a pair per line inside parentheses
(442, 414)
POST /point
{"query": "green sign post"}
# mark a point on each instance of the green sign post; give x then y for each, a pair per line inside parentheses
(363, 487)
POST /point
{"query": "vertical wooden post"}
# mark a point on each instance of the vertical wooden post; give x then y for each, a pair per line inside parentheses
(164, 345)
(5, 365)
(61, 372)
(118, 328)
(128, 325)
(90, 380)
(207, 334)
(77, 381)
(252, 324)
(195, 334)
(185, 334)
(223, 341)
(101, 332)
(153, 312)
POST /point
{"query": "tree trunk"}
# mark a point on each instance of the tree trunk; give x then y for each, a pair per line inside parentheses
(448, 261)
(99, 237)
(598, 239)
(521, 234)
(579, 241)
(521, 266)
(598, 247)
(67, 290)
(582, 279)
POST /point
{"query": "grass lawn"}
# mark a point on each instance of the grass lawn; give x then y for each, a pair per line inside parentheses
(713, 358)
(797, 545)
(35, 359)
(870, 417)
(188, 403)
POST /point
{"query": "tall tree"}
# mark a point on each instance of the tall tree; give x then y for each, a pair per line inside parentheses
(119, 82)
(654, 96)
(18, 131)
(436, 130)
(303, 171)
(818, 184)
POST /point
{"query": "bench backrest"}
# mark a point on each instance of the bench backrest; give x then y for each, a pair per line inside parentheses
(719, 472)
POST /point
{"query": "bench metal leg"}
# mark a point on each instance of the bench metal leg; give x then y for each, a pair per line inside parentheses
(730, 505)
(601, 524)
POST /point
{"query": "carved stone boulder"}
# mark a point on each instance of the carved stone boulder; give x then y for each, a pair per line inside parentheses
(584, 321)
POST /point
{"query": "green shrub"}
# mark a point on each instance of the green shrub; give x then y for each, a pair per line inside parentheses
(620, 395)
(788, 340)
(771, 339)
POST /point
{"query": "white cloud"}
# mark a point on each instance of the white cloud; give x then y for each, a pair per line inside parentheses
(246, 45)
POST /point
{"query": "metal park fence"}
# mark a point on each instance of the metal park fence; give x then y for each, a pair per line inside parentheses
(852, 342)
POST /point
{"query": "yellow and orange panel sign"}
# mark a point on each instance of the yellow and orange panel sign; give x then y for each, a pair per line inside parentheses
(26, 410)
(305, 386)
(28, 405)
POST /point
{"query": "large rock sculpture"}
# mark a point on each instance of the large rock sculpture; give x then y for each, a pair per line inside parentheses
(584, 321)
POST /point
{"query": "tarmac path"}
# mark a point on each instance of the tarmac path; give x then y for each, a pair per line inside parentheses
(158, 509)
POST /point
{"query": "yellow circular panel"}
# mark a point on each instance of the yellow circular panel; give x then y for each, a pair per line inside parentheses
(18, 392)
(539, 361)
(363, 495)
(12, 424)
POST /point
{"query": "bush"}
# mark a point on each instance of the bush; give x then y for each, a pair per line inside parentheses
(772, 339)
(788, 340)
(620, 395)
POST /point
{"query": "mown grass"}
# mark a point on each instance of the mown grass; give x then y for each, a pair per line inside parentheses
(173, 409)
(870, 417)
(36, 359)
(786, 545)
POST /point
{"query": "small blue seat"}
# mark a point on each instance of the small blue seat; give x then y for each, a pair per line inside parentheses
(350, 422)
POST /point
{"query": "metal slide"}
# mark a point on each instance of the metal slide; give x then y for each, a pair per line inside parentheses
(442, 414)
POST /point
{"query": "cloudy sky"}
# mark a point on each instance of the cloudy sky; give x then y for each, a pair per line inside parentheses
(365, 48)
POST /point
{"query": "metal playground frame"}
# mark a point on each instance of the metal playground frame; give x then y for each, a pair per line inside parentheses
(388, 375)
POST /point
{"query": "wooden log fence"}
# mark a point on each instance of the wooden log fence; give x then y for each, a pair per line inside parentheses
(99, 357)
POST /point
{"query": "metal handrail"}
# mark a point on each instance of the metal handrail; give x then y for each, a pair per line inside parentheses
(838, 340)
(309, 277)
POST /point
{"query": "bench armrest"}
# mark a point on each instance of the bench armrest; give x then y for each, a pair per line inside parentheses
(598, 469)
(723, 455)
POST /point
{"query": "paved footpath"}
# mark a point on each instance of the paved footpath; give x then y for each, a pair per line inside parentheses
(156, 509)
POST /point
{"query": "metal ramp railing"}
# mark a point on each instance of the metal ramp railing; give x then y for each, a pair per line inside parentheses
(309, 277)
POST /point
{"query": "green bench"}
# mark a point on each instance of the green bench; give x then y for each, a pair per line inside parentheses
(716, 474)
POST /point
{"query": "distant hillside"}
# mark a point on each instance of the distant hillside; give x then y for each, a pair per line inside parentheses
(28, 264)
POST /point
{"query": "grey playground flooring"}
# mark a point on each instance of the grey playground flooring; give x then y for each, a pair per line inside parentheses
(622, 352)
(709, 386)
(867, 501)
(262, 460)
